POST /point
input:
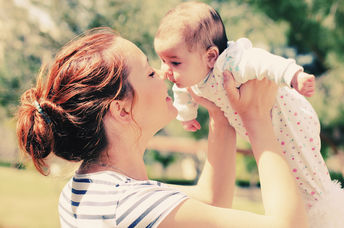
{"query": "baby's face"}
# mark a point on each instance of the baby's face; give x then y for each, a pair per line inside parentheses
(179, 65)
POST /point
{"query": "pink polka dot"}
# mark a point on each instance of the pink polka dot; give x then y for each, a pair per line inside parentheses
(246, 133)
(312, 193)
(282, 143)
(293, 159)
(313, 148)
(297, 178)
(294, 170)
(298, 123)
(311, 139)
(235, 113)
(295, 114)
(281, 97)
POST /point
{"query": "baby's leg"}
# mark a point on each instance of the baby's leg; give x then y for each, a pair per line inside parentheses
(297, 129)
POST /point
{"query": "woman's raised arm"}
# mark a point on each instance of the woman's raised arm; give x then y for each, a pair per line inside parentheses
(282, 203)
(216, 183)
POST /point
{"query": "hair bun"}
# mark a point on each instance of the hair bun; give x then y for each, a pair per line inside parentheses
(34, 132)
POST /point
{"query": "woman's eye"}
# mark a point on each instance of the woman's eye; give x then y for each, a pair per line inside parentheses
(152, 74)
(175, 63)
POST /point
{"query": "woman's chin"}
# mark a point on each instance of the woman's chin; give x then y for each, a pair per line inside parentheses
(172, 115)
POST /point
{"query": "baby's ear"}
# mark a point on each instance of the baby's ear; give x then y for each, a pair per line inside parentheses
(212, 54)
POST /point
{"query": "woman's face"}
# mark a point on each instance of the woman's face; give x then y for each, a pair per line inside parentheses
(152, 107)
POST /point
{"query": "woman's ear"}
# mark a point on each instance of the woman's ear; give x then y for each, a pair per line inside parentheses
(211, 55)
(120, 110)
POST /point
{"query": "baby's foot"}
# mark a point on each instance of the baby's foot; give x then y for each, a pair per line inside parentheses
(304, 83)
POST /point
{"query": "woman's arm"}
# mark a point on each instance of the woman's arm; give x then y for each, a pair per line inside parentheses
(216, 183)
(283, 205)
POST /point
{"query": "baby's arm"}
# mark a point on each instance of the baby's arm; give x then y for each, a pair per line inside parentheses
(187, 108)
(247, 62)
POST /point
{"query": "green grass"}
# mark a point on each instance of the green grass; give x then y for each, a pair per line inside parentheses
(29, 200)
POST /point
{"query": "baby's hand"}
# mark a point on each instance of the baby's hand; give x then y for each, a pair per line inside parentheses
(191, 125)
(304, 83)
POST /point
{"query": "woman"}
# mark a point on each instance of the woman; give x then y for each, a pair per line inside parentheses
(102, 103)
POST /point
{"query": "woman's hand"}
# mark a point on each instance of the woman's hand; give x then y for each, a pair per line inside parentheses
(214, 111)
(254, 99)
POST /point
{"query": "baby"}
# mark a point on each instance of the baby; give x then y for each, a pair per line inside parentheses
(192, 44)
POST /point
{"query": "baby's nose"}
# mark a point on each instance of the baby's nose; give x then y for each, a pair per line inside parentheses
(165, 70)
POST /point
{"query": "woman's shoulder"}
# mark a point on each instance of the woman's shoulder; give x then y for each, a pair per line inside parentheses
(112, 196)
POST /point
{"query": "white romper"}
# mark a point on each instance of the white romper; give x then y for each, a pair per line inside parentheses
(294, 120)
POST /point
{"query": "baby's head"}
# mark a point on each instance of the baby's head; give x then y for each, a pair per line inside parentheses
(189, 39)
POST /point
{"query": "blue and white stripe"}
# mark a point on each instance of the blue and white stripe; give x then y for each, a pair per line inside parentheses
(109, 199)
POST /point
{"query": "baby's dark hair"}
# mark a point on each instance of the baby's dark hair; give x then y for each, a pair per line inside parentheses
(199, 23)
(64, 115)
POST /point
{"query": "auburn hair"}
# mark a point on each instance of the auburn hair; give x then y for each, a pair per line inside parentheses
(64, 113)
(199, 24)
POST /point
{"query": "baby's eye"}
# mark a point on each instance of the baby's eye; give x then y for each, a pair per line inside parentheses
(175, 63)
(152, 74)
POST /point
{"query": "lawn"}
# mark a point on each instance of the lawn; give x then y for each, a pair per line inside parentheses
(29, 200)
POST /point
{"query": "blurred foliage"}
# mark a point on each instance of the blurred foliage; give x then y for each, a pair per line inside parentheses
(32, 31)
(164, 159)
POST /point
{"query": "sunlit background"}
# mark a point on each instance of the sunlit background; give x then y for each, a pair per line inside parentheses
(31, 31)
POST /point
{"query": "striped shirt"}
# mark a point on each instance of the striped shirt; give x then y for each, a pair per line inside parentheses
(110, 199)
